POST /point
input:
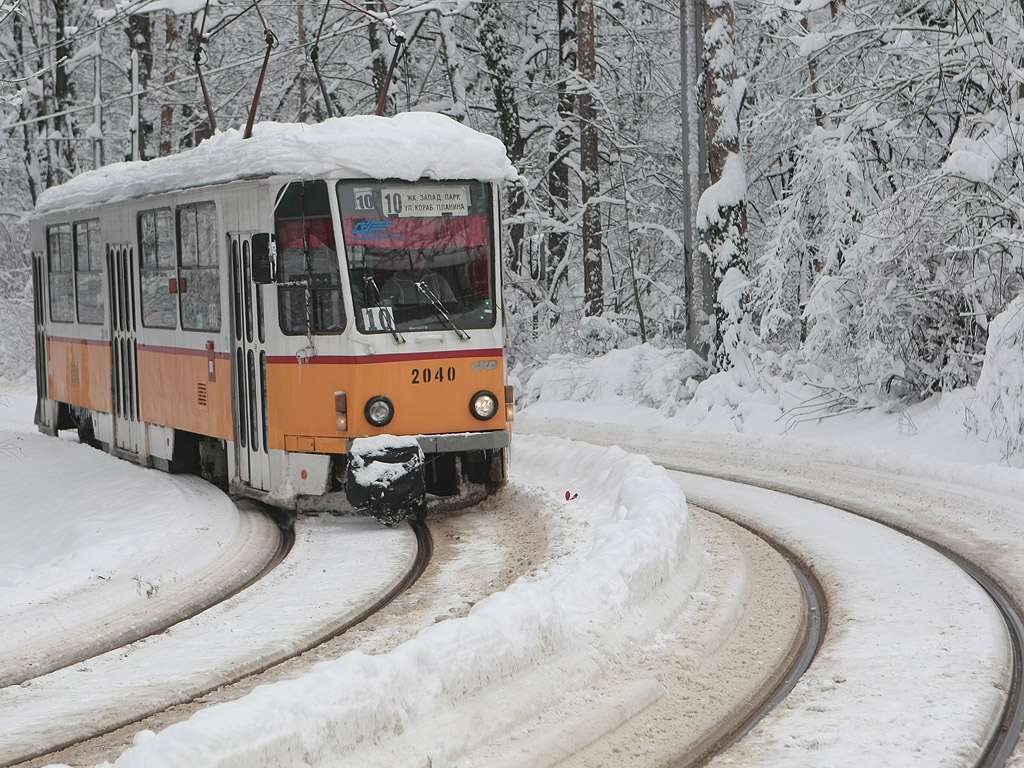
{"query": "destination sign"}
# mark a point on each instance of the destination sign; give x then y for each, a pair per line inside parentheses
(431, 201)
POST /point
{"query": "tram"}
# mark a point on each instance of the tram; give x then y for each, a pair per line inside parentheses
(311, 317)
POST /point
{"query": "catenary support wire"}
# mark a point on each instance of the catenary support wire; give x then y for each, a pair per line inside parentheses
(314, 57)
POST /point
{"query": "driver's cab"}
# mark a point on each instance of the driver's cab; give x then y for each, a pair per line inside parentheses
(309, 278)
(419, 255)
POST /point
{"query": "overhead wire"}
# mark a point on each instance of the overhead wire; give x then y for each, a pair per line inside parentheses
(82, 34)
(155, 88)
(314, 57)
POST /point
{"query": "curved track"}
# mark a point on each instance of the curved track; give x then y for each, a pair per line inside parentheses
(33, 730)
(1005, 732)
(969, 525)
(260, 548)
(740, 724)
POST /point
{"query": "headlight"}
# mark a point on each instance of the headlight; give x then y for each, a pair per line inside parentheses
(379, 411)
(484, 405)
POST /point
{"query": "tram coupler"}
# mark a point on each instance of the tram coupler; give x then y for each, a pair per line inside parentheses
(385, 478)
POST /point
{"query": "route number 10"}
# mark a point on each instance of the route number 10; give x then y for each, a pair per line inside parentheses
(378, 319)
(392, 203)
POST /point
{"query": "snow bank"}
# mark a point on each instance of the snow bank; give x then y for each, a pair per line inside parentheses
(642, 375)
(1000, 403)
(408, 146)
(625, 533)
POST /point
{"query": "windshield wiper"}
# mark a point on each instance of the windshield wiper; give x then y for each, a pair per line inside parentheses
(399, 338)
(439, 309)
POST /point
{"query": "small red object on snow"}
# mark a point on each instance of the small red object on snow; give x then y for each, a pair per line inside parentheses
(569, 497)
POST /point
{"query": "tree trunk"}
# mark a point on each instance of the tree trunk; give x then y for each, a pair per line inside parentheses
(64, 100)
(593, 287)
(167, 109)
(140, 42)
(378, 58)
(697, 285)
(453, 66)
(502, 75)
(28, 130)
(301, 21)
(558, 176)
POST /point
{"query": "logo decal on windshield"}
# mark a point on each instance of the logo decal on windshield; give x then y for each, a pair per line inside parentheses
(375, 229)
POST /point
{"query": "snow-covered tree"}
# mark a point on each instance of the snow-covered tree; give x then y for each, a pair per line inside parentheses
(722, 210)
(885, 139)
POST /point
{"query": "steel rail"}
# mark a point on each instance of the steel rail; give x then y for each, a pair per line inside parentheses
(1007, 731)
(136, 630)
(809, 644)
(424, 551)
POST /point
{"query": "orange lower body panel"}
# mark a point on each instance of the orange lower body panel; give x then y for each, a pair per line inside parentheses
(79, 372)
(177, 389)
(431, 395)
(191, 390)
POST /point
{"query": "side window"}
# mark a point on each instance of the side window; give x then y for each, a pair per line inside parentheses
(309, 293)
(60, 273)
(89, 271)
(199, 272)
(159, 276)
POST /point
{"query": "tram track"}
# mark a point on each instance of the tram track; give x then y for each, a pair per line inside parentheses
(999, 740)
(963, 522)
(35, 750)
(1004, 734)
(261, 547)
(733, 729)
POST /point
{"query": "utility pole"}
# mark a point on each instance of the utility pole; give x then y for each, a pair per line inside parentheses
(135, 124)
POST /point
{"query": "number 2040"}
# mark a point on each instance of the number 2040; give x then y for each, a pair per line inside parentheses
(438, 375)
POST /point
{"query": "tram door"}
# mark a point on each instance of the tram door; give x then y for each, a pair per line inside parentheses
(248, 368)
(39, 298)
(129, 432)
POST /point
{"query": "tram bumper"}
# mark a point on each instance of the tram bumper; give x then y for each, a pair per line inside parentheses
(385, 477)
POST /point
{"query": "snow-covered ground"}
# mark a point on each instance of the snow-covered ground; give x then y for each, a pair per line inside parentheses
(621, 540)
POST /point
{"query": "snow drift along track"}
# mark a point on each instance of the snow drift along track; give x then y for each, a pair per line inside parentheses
(960, 517)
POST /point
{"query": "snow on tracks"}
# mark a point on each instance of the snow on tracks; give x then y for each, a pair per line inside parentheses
(336, 569)
(112, 556)
(972, 511)
(463, 682)
(914, 653)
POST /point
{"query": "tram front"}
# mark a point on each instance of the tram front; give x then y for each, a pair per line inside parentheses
(389, 304)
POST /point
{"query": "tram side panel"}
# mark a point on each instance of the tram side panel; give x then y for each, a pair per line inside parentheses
(78, 371)
(186, 389)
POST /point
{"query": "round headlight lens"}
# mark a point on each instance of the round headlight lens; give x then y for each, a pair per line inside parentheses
(379, 411)
(484, 405)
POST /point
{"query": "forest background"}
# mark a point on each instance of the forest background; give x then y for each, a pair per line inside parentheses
(826, 191)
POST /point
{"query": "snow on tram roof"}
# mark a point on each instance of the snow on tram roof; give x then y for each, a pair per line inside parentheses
(410, 146)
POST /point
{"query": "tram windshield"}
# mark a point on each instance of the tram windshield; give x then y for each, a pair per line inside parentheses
(420, 255)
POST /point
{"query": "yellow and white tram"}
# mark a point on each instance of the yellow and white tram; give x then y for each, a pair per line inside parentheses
(266, 310)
